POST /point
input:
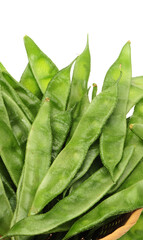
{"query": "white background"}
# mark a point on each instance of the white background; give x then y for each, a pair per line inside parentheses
(60, 27)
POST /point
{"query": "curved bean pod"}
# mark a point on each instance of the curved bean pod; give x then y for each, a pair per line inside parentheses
(114, 133)
(58, 89)
(132, 140)
(42, 66)
(11, 152)
(133, 199)
(44, 223)
(12, 93)
(80, 77)
(135, 176)
(29, 99)
(137, 129)
(5, 211)
(28, 81)
(58, 92)
(60, 174)
(77, 114)
(37, 159)
(19, 122)
(60, 125)
(136, 92)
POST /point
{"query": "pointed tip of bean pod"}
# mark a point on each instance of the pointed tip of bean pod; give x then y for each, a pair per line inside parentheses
(94, 85)
(131, 126)
(120, 66)
(129, 41)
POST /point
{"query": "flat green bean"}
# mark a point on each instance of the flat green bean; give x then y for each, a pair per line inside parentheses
(11, 152)
(60, 174)
(42, 67)
(133, 199)
(44, 223)
(136, 92)
(60, 125)
(29, 99)
(132, 140)
(80, 77)
(12, 93)
(18, 121)
(5, 211)
(37, 159)
(28, 81)
(114, 132)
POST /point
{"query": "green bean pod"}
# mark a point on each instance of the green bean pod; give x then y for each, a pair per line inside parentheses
(77, 114)
(60, 125)
(114, 132)
(29, 99)
(94, 90)
(80, 77)
(5, 86)
(137, 129)
(10, 193)
(18, 121)
(133, 199)
(42, 67)
(5, 211)
(29, 82)
(44, 223)
(97, 185)
(75, 151)
(136, 92)
(58, 92)
(37, 159)
(11, 152)
(132, 140)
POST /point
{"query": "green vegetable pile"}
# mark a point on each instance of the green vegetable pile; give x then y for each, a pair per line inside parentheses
(69, 165)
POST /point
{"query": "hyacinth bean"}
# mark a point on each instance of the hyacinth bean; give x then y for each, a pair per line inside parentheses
(42, 67)
(114, 133)
(60, 175)
(11, 152)
(134, 177)
(37, 159)
(44, 223)
(60, 125)
(94, 90)
(29, 99)
(58, 92)
(5, 86)
(77, 113)
(5, 211)
(92, 153)
(28, 81)
(58, 89)
(10, 193)
(80, 77)
(137, 129)
(136, 92)
(18, 121)
(133, 199)
(132, 140)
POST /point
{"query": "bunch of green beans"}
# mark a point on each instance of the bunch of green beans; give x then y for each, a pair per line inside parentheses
(69, 164)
